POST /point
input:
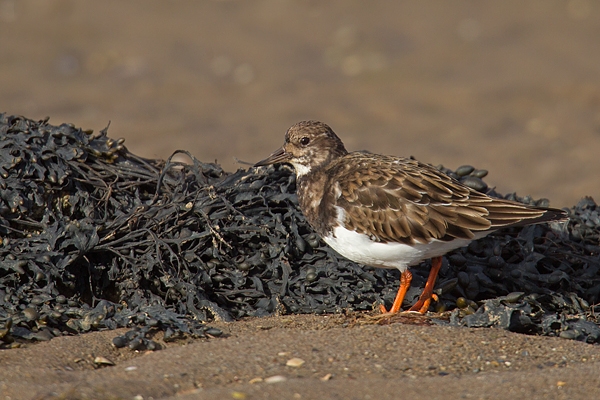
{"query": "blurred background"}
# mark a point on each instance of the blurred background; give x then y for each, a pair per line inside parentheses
(509, 86)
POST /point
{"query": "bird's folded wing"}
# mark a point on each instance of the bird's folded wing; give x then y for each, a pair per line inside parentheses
(402, 200)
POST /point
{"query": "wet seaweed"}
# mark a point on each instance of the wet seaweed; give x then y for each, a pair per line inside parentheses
(94, 237)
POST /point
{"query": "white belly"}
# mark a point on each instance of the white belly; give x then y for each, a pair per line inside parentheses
(359, 248)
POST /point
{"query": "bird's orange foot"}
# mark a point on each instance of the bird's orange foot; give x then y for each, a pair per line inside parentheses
(384, 310)
(422, 305)
(405, 279)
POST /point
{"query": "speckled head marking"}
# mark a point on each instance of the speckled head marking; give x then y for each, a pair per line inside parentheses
(308, 145)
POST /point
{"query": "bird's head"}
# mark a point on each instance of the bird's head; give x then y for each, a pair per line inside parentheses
(308, 145)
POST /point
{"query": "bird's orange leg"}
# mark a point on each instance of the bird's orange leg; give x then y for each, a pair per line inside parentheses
(405, 279)
(422, 305)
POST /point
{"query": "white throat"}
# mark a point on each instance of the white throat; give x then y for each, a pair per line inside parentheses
(301, 169)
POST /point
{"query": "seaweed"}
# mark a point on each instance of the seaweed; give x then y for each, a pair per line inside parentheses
(94, 237)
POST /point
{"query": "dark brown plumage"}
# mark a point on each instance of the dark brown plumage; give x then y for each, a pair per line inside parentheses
(390, 200)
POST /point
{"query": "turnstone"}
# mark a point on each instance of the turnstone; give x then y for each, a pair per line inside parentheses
(391, 212)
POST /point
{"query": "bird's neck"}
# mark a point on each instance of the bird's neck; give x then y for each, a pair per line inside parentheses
(315, 199)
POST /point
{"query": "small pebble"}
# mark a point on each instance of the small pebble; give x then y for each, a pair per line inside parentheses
(295, 362)
(275, 379)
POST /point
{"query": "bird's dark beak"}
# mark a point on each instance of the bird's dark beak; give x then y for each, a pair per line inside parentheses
(278, 156)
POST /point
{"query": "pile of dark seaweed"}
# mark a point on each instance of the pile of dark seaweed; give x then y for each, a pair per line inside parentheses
(93, 237)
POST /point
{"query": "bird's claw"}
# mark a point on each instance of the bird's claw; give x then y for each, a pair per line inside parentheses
(421, 306)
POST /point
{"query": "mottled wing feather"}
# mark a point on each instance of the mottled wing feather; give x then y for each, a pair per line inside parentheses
(402, 200)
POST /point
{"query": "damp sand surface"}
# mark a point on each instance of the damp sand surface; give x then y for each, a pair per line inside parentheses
(310, 357)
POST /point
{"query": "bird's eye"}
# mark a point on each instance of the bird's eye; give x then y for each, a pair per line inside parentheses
(304, 141)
